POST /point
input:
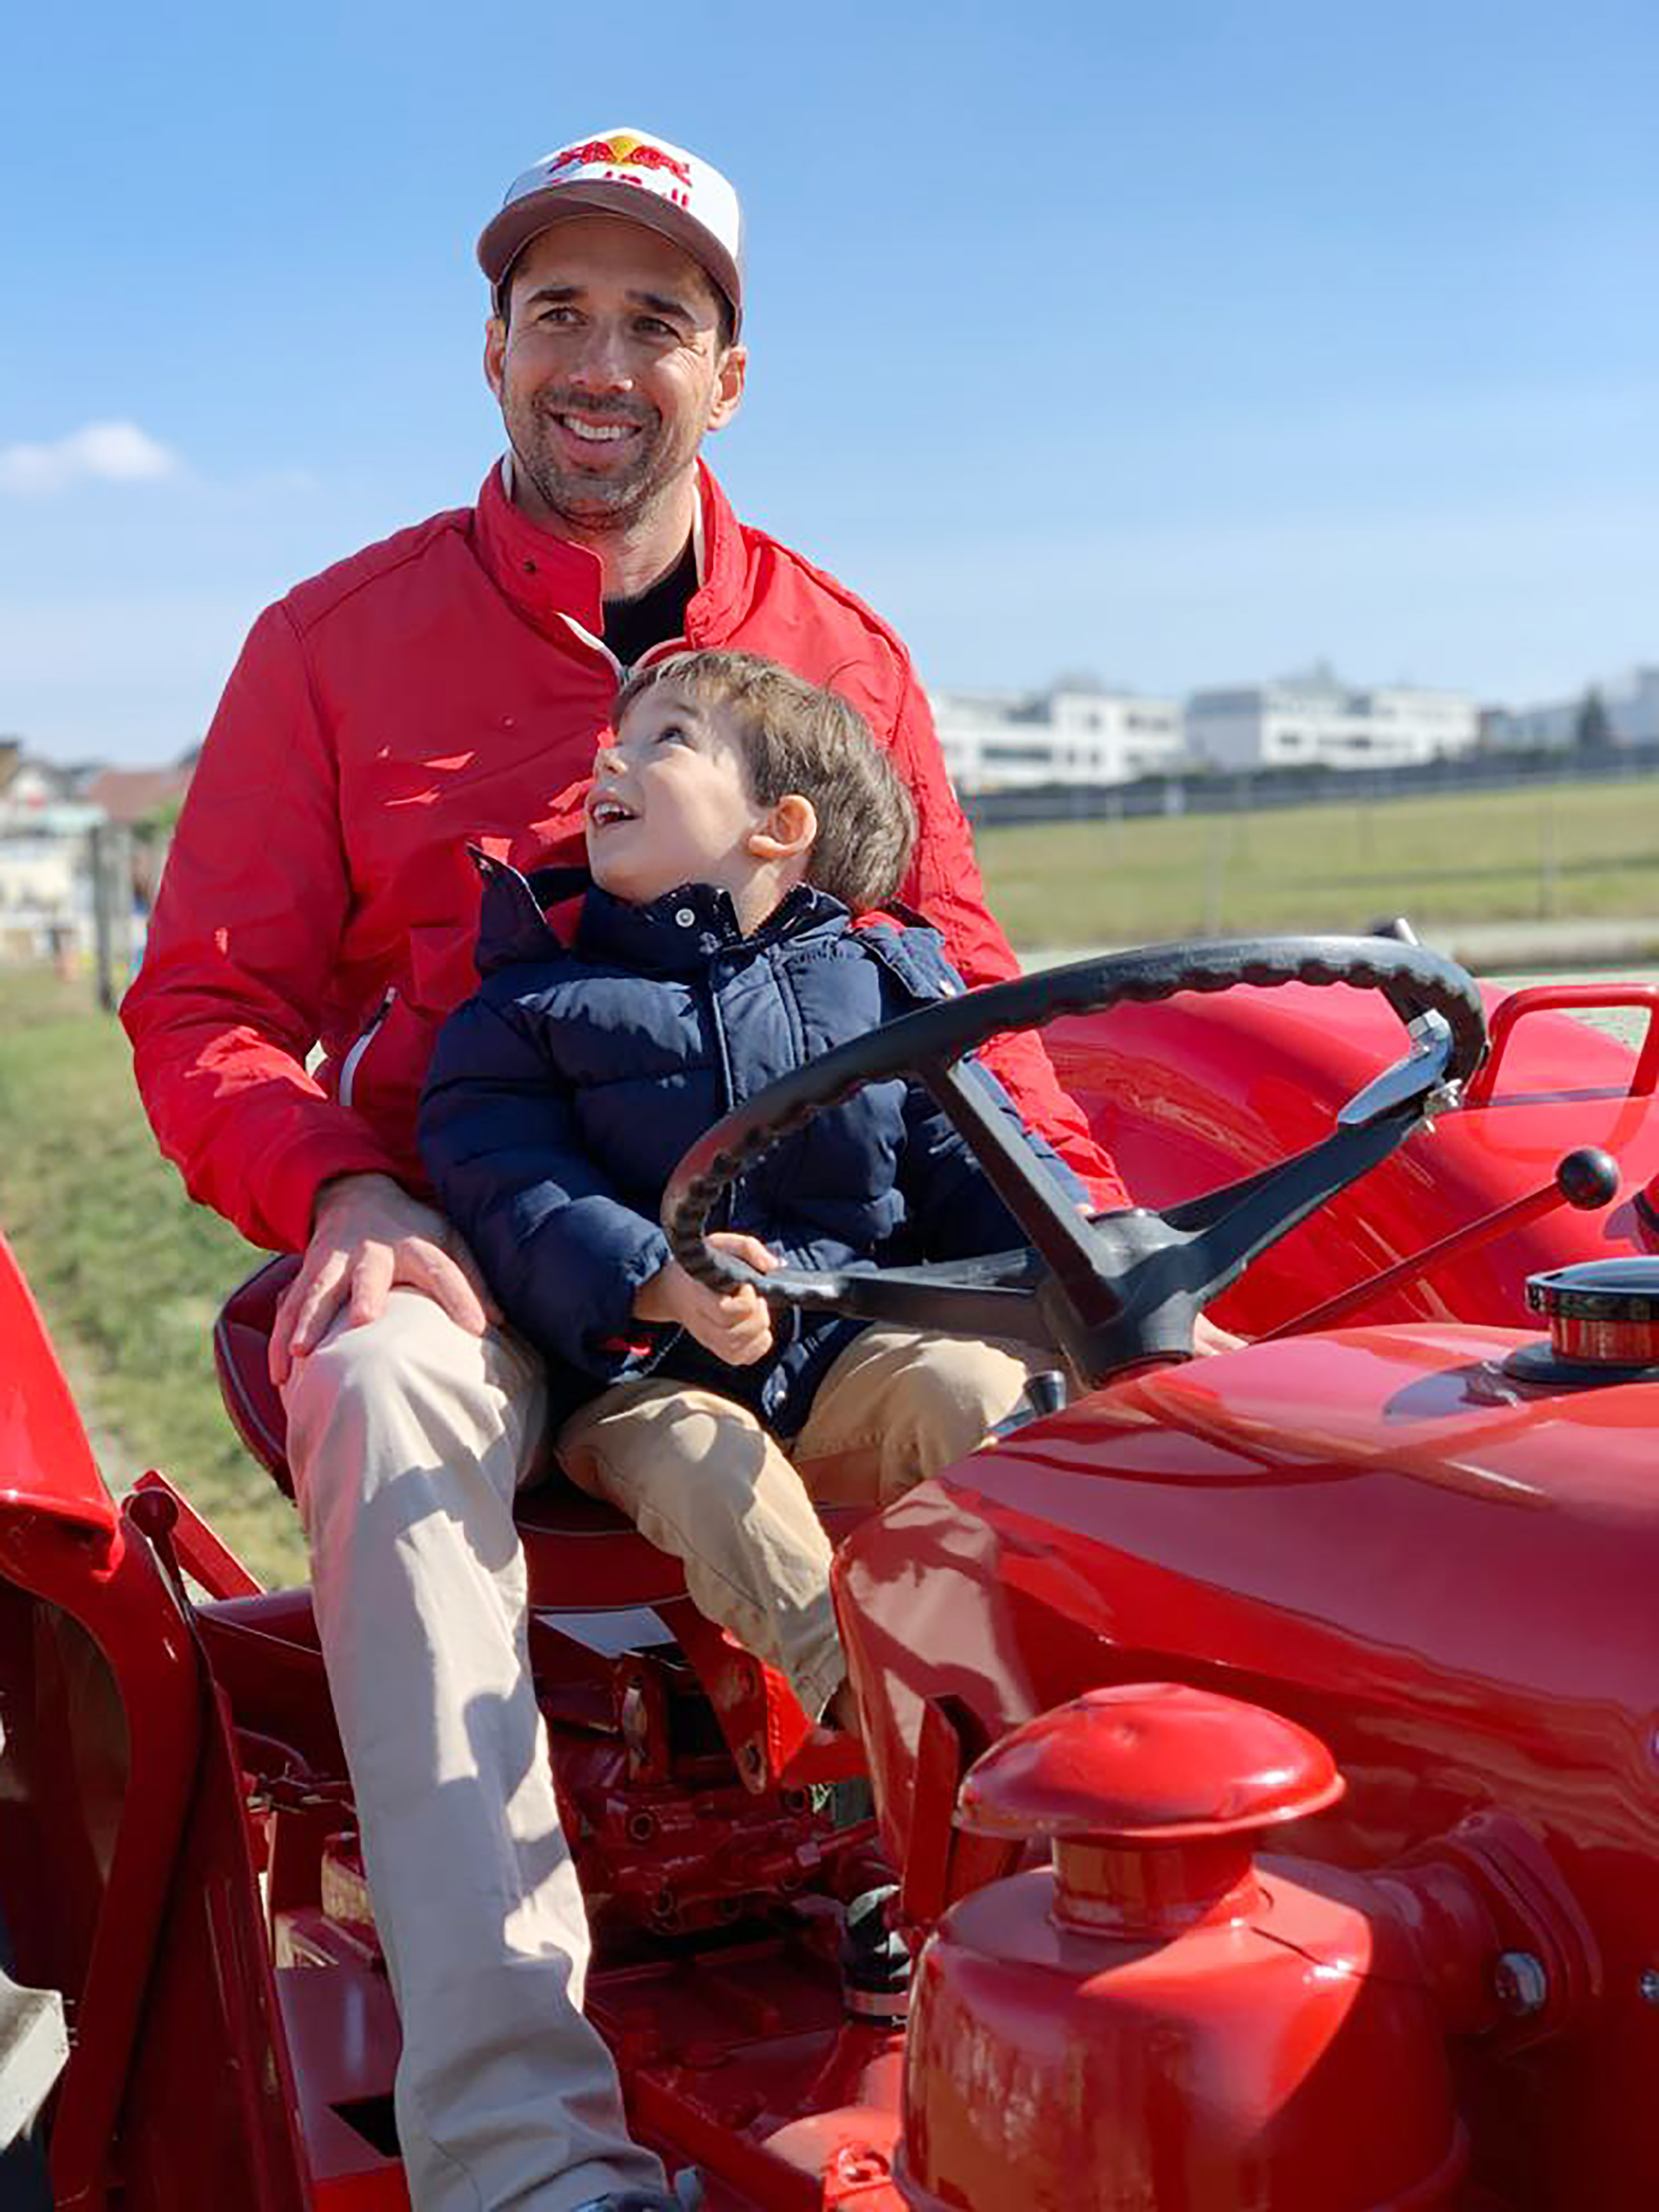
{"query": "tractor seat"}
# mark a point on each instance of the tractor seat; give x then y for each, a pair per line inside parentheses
(583, 1556)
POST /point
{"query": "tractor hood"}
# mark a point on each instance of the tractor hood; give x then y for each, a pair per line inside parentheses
(1451, 1578)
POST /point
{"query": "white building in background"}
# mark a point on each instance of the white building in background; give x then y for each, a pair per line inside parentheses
(1632, 710)
(1072, 733)
(45, 902)
(1317, 720)
(29, 789)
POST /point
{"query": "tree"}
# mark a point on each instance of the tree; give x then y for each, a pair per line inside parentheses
(1592, 729)
(152, 834)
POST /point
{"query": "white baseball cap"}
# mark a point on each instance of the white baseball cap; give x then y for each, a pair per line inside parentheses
(631, 173)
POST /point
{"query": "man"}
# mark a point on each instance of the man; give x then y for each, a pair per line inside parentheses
(445, 686)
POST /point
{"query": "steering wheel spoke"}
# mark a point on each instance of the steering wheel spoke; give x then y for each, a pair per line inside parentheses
(1062, 1238)
(995, 1296)
(1232, 1227)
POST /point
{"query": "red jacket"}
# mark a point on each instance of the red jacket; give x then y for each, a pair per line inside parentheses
(445, 686)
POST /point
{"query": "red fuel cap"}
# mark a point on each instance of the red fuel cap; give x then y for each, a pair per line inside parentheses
(1601, 1313)
(1150, 1793)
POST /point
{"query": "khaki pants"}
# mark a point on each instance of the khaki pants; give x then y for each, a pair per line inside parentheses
(702, 1478)
(407, 1438)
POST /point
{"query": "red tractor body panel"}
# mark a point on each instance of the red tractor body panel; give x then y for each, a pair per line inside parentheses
(47, 1467)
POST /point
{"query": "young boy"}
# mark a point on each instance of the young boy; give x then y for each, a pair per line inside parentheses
(738, 823)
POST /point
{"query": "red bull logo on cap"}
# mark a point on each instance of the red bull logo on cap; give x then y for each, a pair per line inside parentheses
(671, 191)
(620, 153)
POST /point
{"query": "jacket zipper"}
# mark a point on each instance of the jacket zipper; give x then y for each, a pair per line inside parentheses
(663, 646)
(598, 644)
(353, 1060)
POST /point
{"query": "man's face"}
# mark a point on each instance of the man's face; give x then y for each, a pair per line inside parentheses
(670, 802)
(610, 370)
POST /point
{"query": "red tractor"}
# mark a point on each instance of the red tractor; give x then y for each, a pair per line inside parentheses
(1383, 1580)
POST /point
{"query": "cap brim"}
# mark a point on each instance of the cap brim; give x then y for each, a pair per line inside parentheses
(505, 237)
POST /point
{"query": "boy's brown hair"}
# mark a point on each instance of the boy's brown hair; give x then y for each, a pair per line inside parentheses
(797, 737)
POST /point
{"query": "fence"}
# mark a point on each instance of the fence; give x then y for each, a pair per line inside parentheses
(1244, 791)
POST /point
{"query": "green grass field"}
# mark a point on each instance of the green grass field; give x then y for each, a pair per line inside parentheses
(130, 1273)
(1581, 850)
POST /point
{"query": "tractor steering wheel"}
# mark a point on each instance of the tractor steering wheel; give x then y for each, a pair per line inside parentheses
(1121, 1289)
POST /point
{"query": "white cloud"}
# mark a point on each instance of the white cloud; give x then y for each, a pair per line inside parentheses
(101, 453)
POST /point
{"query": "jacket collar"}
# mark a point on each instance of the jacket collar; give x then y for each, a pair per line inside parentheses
(681, 931)
(676, 934)
(554, 584)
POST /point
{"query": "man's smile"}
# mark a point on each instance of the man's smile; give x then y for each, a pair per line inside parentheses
(586, 436)
(599, 433)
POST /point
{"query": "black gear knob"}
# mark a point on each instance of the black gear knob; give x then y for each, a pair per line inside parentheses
(1588, 1178)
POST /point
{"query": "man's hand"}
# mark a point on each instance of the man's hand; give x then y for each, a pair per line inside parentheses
(369, 1234)
(1210, 1337)
(735, 1325)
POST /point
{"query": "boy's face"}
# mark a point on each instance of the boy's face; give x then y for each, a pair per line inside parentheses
(670, 803)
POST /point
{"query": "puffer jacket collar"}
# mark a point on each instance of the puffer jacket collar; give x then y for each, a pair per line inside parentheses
(676, 934)
(680, 932)
(554, 584)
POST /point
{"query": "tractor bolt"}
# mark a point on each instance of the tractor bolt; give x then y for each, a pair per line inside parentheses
(1649, 1986)
(1520, 1983)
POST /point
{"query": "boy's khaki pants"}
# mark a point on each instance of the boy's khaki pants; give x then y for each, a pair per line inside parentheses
(698, 1474)
(407, 1438)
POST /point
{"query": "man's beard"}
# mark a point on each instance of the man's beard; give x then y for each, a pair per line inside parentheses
(614, 500)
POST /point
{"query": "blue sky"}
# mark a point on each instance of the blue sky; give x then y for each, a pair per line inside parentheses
(1180, 344)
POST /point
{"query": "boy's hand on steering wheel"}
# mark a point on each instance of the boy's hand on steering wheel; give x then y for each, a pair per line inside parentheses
(735, 1325)
(368, 1236)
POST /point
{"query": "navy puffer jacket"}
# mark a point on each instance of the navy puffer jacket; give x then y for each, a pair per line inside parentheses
(563, 1093)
